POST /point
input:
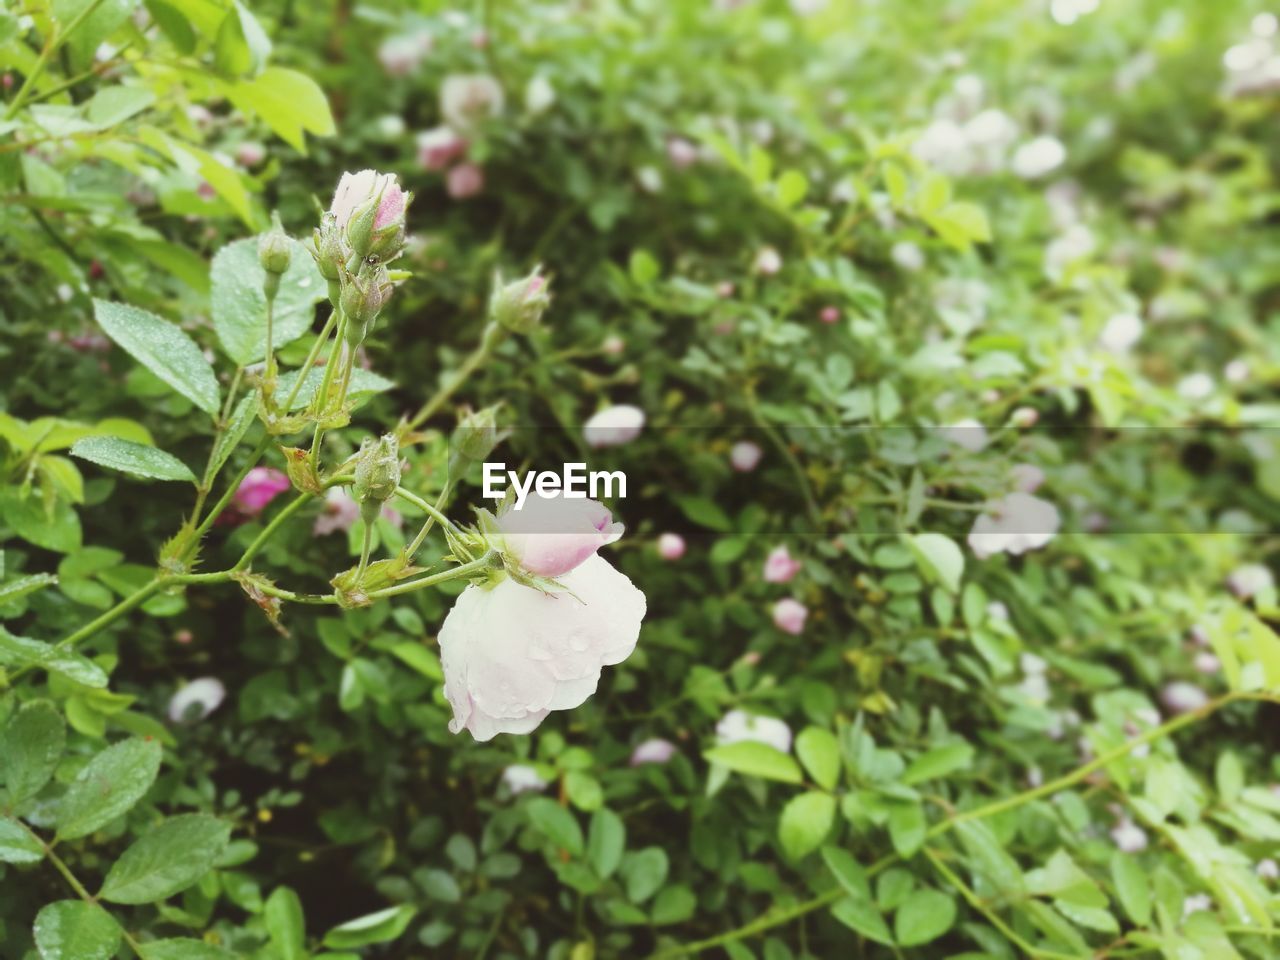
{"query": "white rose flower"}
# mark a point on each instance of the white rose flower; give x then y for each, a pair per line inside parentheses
(738, 725)
(521, 778)
(613, 426)
(468, 99)
(512, 654)
(1121, 332)
(1038, 158)
(206, 692)
(1014, 524)
(968, 434)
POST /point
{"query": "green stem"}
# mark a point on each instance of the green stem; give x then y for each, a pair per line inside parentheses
(432, 515)
(321, 401)
(454, 573)
(310, 362)
(811, 505)
(770, 921)
(50, 48)
(493, 335)
(978, 904)
(365, 546)
(269, 530)
(232, 487)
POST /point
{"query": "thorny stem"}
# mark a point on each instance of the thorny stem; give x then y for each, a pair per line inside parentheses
(421, 538)
(769, 921)
(310, 362)
(453, 573)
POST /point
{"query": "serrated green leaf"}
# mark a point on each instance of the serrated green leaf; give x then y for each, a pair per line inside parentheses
(286, 924)
(805, 822)
(644, 872)
(132, 458)
(185, 948)
(606, 842)
(923, 917)
(108, 787)
(1132, 887)
(19, 588)
(819, 751)
(938, 762)
(168, 860)
(163, 349)
(24, 652)
(30, 747)
(76, 930)
(17, 845)
(380, 927)
(862, 917)
(289, 102)
(756, 760)
(239, 306)
(556, 823)
(939, 557)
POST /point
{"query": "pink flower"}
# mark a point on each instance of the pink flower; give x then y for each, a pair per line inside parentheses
(260, 486)
(1024, 417)
(1183, 697)
(656, 750)
(439, 147)
(744, 456)
(340, 513)
(681, 153)
(829, 315)
(250, 154)
(768, 262)
(789, 616)
(779, 566)
(724, 289)
(671, 546)
(614, 345)
(464, 181)
(550, 536)
(356, 188)
(1014, 524)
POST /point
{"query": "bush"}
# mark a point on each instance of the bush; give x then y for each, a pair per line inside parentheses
(935, 348)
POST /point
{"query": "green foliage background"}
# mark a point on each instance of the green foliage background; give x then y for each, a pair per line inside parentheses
(936, 803)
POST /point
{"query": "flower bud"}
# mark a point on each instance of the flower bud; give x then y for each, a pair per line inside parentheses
(519, 305)
(377, 471)
(275, 250)
(363, 296)
(327, 248)
(369, 210)
(475, 436)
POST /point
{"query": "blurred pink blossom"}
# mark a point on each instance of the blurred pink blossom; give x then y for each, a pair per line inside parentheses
(779, 566)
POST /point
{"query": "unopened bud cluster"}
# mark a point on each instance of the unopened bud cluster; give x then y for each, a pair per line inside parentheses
(362, 232)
